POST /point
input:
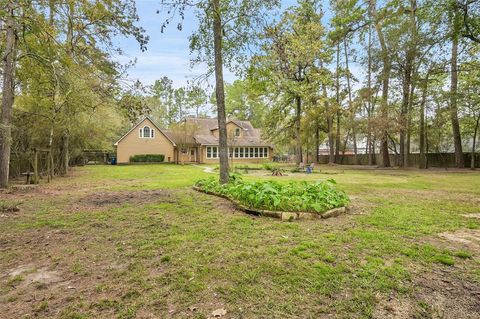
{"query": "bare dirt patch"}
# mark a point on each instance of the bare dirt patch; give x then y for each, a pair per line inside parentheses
(32, 275)
(442, 294)
(467, 238)
(119, 198)
(438, 293)
(394, 307)
(475, 216)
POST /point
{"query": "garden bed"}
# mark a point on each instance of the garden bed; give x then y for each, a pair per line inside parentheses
(294, 200)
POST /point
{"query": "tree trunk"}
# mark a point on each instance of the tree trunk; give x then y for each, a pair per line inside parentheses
(351, 106)
(331, 140)
(298, 130)
(65, 154)
(371, 150)
(385, 86)
(404, 109)
(457, 139)
(422, 137)
(50, 149)
(220, 92)
(409, 120)
(317, 143)
(472, 160)
(407, 87)
(8, 94)
(337, 95)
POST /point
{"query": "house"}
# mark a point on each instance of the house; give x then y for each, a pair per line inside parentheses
(194, 140)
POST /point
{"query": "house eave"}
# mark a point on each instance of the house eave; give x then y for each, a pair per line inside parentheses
(140, 122)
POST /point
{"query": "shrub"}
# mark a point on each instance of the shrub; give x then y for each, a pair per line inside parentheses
(270, 166)
(147, 158)
(317, 197)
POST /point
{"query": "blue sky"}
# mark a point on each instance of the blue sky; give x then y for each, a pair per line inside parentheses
(168, 54)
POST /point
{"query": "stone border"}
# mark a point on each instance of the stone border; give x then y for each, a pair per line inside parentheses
(277, 214)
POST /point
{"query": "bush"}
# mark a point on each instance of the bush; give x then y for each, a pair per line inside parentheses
(270, 166)
(316, 197)
(147, 158)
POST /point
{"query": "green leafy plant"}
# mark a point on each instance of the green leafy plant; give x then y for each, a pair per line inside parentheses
(270, 166)
(315, 197)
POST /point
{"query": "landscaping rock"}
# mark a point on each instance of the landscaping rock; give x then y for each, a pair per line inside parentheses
(334, 212)
(308, 216)
(289, 216)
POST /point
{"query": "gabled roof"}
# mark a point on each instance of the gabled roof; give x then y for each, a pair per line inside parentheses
(240, 124)
(154, 124)
(203, 133)
(250, 137)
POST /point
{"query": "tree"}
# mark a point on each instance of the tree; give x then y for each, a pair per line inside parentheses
(227, 24)
(349, 17)
(183, 133)
(196, 99)
(163, 92)
(385, 77)
(8, 90)
(65, 43)
(470, 102)
(457, 138)
(245, 100)
(408, 87)
(290, 59)
(470, 10)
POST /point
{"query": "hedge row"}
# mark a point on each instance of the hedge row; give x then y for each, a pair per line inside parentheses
(147, 158)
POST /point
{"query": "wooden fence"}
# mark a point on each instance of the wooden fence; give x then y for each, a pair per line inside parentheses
(433, 159)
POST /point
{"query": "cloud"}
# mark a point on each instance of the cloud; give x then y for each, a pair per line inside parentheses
(152, 67)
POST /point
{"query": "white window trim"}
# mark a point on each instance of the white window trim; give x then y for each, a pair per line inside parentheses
(142, 132)
(212, 152)
(260, 151)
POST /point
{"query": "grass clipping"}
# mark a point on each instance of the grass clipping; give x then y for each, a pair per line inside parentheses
(317, 197)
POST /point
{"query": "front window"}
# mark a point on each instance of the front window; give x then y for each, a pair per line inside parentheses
(237, 132)
(147, 132)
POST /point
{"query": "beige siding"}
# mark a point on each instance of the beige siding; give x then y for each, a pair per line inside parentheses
(132, 144)
(230, 130)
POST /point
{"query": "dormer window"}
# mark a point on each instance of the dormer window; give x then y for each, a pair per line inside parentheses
(237, 132)
(147, 132)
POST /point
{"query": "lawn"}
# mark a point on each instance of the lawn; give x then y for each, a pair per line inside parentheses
(138, 242)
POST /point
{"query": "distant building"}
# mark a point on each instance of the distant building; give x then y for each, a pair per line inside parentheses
(198, 143)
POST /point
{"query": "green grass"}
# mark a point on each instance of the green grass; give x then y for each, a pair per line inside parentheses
(169, 253)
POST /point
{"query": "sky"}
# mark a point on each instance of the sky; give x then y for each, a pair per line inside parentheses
(168, 53)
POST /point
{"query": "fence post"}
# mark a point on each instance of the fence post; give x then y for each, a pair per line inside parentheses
(35, 166)
(49, 166)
